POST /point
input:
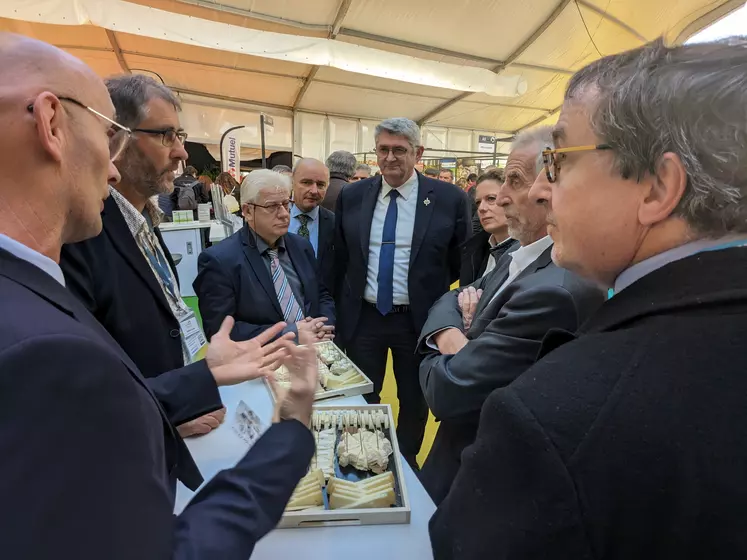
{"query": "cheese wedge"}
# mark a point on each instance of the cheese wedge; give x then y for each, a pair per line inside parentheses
(378, 500)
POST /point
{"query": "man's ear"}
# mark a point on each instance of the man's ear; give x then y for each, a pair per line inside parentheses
(419, 153)
(48, 115)
(667, 187)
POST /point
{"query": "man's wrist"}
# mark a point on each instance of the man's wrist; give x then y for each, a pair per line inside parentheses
(450, 341)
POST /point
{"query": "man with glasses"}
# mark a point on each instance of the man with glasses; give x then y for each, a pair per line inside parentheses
(483, 336)
(80, 428)
(397, 248)
(262, 274)
(126, 276)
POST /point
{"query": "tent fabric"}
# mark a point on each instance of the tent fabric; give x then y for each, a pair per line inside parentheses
(318, 66)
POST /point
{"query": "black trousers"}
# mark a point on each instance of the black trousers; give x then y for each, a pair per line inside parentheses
(375, 335)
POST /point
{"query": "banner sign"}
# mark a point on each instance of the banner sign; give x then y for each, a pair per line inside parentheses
(231, 156)
(486, 144)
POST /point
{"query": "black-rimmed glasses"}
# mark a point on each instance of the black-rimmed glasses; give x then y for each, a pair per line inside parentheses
(168, 135)
(552, 162)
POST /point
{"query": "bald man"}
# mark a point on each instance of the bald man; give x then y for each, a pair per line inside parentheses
(311, 220)
(89, 453)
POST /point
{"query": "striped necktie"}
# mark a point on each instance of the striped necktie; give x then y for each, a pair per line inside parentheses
(292, 312)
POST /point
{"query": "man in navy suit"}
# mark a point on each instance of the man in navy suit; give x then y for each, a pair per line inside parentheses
(262, 274)
(397, 247)
(89, 454)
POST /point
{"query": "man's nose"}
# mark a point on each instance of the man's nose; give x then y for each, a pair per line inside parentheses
(541, 191)
(114, 176)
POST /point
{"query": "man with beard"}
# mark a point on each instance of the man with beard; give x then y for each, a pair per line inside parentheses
(126, 276)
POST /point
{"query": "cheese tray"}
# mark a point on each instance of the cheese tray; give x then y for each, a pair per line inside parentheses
(338, 375)
(356, 476)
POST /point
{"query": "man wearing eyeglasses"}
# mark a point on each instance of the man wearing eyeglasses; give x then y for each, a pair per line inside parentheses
(397, 247)
(126, 276)
(262, 274)
(484, 335)
(80, 428)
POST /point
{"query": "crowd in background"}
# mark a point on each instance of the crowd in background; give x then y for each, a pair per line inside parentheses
(588, 373)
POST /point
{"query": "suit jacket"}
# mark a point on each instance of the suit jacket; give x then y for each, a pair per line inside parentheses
(86, 435)
(113, 281)
(504, 340)
(627, 442)
(337, 182)
(441, 226)
(326, 248)
(475, 253)
(233, 279)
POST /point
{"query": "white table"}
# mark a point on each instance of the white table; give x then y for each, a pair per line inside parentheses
(222, 448)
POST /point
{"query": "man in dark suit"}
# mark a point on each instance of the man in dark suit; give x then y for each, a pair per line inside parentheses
(397, 249)
(483, 250)
(79, 425)
(125, 276)
(341, 165)
(312, 221)
(628, 440)
(262, 274)
(483, 336)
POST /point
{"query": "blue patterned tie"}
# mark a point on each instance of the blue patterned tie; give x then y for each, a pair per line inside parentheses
(385, 297)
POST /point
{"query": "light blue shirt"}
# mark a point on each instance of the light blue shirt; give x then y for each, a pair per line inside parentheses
(407, 203)
(29, 255)
(641, 269)
(313, 225)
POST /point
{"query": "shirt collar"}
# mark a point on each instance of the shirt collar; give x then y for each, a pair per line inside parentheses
(404, 191)
(641, 269)
(313, 214)
(134, 219)
(262, 245)
(33, 257)
(493, 243)
(525, 255)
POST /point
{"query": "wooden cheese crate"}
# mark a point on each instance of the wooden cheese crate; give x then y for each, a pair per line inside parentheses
(363, 388)
(398, 514)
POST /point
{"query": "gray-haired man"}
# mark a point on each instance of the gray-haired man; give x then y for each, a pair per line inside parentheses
(628, 440)
(397, 251)
(341, 165)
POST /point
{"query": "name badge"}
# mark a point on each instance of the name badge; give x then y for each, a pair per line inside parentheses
(192, 337)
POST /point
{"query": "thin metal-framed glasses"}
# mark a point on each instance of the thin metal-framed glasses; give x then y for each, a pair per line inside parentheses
(397, 151)
(552, 161)
(119, 135)
(275, 207)
(168, 135)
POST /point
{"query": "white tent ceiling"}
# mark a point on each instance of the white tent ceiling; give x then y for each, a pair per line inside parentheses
(526, 51)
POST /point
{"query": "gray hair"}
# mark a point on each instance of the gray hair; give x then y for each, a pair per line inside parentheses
(690, 100)
(363, 167)
(400, 126)
(282, 169)
(342, 162)
(262, 179)
(537, 138)
(131, 93)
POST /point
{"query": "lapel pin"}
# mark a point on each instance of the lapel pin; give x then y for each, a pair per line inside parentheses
(427, 201)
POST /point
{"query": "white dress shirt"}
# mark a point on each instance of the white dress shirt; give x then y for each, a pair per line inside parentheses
(491, 259)
(29, 255)
(521, 259)
(407, 203)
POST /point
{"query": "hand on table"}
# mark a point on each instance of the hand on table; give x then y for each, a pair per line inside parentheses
(202, 425)
(311, 330)
(468, 300)
(295, 402)
(233, 362)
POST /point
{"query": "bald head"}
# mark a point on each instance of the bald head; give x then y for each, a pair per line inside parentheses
(60, 149)
(310, 182)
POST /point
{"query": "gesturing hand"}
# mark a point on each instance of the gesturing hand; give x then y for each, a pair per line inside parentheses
(314, 329)
(468, 300)
(233, 362)
(295, 402)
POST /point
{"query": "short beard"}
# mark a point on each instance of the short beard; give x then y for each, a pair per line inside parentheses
(138, 171)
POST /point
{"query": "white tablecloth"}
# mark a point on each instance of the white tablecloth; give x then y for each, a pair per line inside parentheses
(222, 448)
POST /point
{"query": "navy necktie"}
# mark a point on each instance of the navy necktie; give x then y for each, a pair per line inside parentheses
(385, 279)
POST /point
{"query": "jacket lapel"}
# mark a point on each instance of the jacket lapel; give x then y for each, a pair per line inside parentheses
(368, 204)
(326, 230)
(295, 253)
(125, 244)
(257, 265)
(423, 213)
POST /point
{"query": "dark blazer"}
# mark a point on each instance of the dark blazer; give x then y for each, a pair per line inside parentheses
(233, 279)
(627, 442)
(82, 430)
(505, 338)
(475, 253)
(326, 248)
(337, 182)
(441, 226)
